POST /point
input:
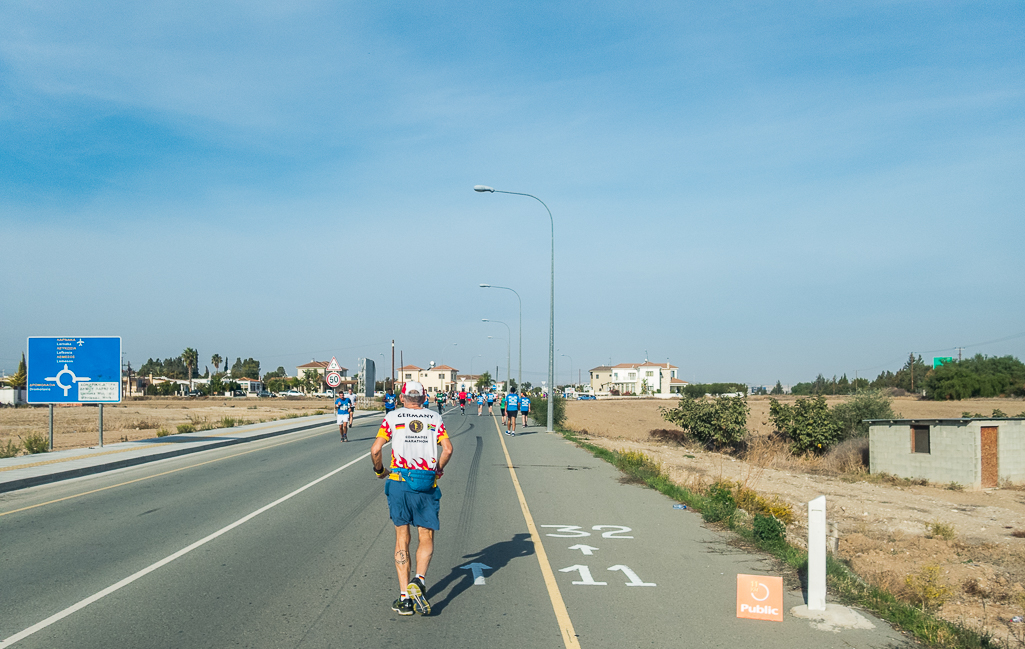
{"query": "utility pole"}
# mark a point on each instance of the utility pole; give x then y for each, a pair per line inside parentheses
(959, 349)
(393, 364)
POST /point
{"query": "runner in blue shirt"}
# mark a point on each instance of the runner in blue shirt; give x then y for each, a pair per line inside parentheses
(524, 407)
(480, 403)
(491, 402)
(389, 402)
(512, 406)
(344, 409)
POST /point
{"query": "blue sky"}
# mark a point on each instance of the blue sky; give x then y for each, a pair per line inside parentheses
(755, 191)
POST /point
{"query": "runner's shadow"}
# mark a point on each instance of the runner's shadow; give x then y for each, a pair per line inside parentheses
(496, 556)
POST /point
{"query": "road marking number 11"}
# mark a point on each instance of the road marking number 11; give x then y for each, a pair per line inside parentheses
(587, 580)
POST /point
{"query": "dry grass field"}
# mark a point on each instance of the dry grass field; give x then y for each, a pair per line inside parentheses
(131, 420)
(890, 530)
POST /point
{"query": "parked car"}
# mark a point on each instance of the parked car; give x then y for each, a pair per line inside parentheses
(586, 397)
(294, 393)
(265, 393)
(238, 393)
(195, 393)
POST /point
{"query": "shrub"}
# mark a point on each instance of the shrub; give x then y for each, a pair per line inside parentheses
(163, 432)
(750, 501)
(768, 529)
(939, 530)
(719, 504)
(718, 423)
(638, 464)
(186, 428)
(36, 443)
(864, 405)
(926, 588)
(230, 422)
(10, 449)
(808, 424)
(539, 411)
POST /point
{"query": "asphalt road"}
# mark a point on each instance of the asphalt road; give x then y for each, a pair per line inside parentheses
(286, 542)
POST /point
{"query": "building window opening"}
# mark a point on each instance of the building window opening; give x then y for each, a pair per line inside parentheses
(920, 439)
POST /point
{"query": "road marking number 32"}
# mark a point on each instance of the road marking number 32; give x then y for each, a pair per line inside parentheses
(574, 531)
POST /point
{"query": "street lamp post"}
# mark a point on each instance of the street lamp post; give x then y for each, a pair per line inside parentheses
(570, 367)
(519, 371)
(508, 351)
(551, 316)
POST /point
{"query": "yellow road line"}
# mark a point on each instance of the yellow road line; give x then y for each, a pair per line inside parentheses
(157, 475)
(569, 636)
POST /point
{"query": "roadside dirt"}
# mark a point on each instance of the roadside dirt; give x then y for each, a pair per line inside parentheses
(883, 527)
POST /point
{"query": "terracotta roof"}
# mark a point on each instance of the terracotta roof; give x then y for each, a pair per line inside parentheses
(678, 381)
(443, 367)
(601, 368)
(315, 364)
(647, 364)
(409, 367)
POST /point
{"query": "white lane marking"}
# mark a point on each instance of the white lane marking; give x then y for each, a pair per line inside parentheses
(569, 531)
(478, 572)
(586, 549)
(163, 562)
(585, 576)
(632, 576)
(613, 535)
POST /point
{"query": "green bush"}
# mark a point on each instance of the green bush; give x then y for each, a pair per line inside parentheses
(698, 390)
(36, 443)
(718, 423)
(539, 411)
(230, 422)
(768, 529)
(186, 428)
(808, 424)
(10, 449)
(864, 405)
(979, 376)
(719, 503)
(163, 432)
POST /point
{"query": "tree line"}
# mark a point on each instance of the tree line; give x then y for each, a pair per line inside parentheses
(979, 376)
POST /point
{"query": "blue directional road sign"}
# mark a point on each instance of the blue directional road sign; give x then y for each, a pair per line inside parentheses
(70, 369)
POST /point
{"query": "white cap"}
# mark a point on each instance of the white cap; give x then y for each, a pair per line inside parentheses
(413, 386)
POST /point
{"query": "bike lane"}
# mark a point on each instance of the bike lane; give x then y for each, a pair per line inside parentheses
(634, 571)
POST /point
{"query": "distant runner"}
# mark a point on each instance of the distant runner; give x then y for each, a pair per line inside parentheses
(491, 402)
(524, 407)
(441, 401)
(480, 404)
(343, 409)
(512, 405)
(462, 401)
(389, 401)
(412, 488)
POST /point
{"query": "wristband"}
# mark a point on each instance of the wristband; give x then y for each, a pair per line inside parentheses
(378, 472)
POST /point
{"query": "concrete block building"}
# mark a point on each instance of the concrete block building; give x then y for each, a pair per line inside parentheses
(978, 453)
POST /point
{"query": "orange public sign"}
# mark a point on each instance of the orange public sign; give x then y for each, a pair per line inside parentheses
(760, 597)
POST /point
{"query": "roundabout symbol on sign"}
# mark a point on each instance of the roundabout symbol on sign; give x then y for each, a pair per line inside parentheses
(334, 379)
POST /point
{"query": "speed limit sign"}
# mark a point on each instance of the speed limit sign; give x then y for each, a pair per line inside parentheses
(334, 379)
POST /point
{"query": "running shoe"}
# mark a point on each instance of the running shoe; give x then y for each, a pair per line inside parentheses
(417, 593)
(403, 606)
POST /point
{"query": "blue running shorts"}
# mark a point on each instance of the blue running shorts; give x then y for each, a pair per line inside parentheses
(409, 507)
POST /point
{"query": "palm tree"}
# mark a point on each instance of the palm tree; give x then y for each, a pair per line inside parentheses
(190, 357)
(216, 360)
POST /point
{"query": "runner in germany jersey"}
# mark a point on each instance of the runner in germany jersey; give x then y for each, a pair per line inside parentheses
(414, 437)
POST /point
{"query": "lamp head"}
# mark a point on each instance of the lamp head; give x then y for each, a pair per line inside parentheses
(484, 320)
(483, 188)
(485, 285)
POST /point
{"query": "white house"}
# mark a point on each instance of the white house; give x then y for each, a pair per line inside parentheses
(636, 378)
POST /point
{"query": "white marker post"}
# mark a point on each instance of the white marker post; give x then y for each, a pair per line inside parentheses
(817, 554)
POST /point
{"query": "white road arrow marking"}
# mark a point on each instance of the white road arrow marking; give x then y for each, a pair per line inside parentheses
(585, 576)
(478, 572)
(586, 549)
(632, 576)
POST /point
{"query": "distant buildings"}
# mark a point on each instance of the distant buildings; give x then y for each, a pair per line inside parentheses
(439, 377)
(636, 378)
